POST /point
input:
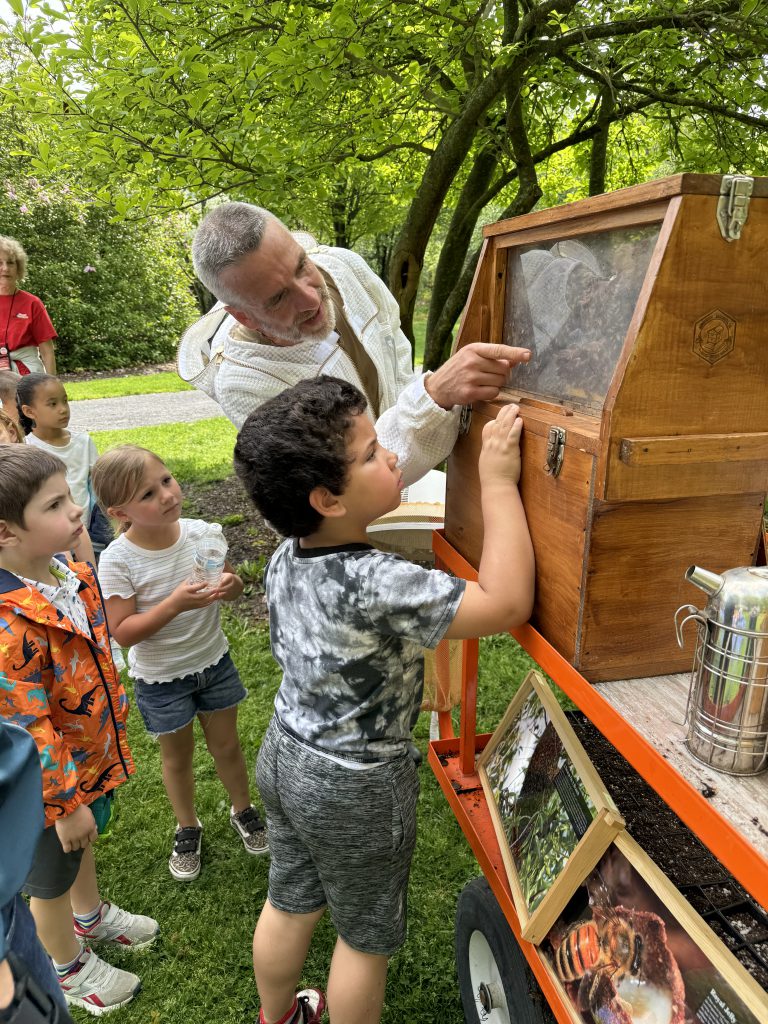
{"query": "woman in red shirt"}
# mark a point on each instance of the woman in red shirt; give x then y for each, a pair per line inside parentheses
(26, 331)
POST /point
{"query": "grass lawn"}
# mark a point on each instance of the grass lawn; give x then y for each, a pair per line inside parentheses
(199, 970)
(195, 452)
(118, 387)
(420, 335)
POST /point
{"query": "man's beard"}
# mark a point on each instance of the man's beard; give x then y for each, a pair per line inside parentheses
(298, 333)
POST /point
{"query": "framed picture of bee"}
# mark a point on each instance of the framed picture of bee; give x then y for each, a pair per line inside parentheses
(629, 948)
(552, 814)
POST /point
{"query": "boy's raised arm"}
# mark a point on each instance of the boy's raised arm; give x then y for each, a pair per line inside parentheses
(503, 594)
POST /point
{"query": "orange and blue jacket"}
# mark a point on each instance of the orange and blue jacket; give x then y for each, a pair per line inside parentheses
(62, 687)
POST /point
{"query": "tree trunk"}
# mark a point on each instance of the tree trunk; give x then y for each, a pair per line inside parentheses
(599, 156)
(456, 244)
(443, 166)
(528, 194)
(339, 216)
(441, 338)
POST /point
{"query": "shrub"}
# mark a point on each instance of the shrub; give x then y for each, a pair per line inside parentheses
(118, 292)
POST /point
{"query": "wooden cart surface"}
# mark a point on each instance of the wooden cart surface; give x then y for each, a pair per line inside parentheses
(729, 820)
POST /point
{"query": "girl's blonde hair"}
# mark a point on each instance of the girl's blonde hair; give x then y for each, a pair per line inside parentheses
(12, 426)
(117, 476)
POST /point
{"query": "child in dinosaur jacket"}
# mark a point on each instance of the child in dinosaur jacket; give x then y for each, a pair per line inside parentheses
(58, 681)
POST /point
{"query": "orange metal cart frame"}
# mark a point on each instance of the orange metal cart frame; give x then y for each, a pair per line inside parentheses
(452, 759)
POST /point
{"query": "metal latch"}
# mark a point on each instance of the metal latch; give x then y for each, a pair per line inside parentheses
(465, 420)
(733, 204)
(555, 450)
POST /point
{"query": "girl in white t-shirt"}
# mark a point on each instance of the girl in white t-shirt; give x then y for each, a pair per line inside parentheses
(178, 656)
(43, 409)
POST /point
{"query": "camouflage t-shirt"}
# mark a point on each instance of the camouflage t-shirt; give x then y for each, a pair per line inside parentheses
(347, 626)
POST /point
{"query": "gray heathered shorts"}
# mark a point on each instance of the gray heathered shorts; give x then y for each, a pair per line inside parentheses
(341, 838)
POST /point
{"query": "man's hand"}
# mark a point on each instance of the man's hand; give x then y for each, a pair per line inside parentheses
(500, 455)
(77, 830)
(476, 373)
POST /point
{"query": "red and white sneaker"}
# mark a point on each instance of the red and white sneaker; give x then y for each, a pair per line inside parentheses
(120, 927)
(309, 1009)
(311, 1005)
(98, 987)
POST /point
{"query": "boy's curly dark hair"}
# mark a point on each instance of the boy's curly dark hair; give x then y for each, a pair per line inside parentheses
(293, 443)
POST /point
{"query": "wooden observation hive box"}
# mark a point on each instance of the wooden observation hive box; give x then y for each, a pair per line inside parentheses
(645, 447)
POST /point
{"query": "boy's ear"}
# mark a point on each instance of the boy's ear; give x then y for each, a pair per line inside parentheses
(8, 536)
(327, 504)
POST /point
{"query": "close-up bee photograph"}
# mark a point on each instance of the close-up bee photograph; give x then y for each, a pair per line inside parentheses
(623, 955)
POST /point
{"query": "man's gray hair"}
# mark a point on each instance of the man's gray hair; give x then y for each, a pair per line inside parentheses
(225, 235)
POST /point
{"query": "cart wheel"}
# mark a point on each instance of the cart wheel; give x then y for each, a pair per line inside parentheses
(496, 984)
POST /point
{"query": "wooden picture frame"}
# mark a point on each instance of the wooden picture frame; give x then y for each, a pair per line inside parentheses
(552, 814)
(708, 984)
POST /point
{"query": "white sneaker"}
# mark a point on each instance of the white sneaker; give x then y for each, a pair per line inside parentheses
(97, 986)
(116, 925)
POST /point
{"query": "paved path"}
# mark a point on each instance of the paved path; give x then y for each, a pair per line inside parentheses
(142, 411)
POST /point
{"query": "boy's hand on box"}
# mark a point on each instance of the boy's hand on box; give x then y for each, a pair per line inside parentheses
(500, 455)
(77, 830)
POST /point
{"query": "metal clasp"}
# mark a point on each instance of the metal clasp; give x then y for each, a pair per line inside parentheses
(555, 450)
(733, 204)
(465, 420)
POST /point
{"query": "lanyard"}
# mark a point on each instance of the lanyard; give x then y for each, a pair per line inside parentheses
(5, 357)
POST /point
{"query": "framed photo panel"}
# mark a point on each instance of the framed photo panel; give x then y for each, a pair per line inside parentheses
(628, 948)
(553, 817)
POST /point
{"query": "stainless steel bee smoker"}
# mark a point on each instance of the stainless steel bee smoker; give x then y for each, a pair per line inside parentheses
(727, 711)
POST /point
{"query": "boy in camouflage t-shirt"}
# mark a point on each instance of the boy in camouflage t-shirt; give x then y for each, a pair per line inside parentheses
(347, 624)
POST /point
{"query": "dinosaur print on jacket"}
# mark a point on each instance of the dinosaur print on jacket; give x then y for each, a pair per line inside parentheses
(28, 650)
(62, 687)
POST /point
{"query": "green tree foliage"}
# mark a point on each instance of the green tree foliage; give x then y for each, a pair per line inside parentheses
(117, 291)
(352, 115)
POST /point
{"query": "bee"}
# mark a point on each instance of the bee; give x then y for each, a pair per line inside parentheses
(606, 945)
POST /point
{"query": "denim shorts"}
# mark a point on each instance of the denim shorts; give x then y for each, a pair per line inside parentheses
(170, 707)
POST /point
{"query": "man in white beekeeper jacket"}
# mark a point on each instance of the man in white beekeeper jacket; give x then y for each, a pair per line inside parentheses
(291, 309)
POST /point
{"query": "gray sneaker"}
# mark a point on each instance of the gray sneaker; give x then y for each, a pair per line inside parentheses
(115, 925)
(98, 987)
(251, 829)
(184, 862)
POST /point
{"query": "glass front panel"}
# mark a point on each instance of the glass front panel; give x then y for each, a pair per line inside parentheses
(570, 301)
